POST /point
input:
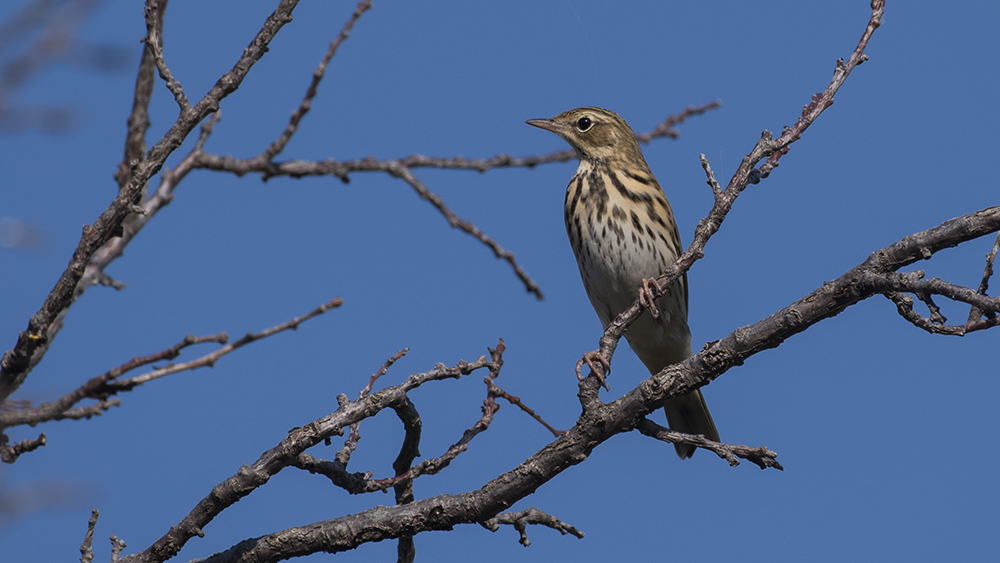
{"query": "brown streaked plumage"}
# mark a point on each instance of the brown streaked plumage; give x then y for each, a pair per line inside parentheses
(623, 232)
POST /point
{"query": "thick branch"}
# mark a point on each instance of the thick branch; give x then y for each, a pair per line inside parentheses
(597, 425)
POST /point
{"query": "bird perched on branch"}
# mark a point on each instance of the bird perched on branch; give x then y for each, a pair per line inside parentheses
(623, 234)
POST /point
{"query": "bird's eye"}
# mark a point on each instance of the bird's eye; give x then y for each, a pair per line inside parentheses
(584, 123)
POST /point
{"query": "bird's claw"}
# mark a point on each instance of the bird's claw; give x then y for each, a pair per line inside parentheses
(646, 297)
(588, 358)
(647, 301)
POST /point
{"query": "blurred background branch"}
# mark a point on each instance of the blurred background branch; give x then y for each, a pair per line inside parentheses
(42, 34)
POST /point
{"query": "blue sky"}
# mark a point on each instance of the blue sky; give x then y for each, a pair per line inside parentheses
(880, 426)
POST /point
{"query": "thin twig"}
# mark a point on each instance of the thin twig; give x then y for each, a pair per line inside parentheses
(117, 546)
(278, 145)
(459, 223)
(824, 99)
(974, 313)
(86, 550)
(666, 128)
(138, 119)
(97, 388)
(382, 371)
(518, 403)
(711, 181)
(9, 454)
(343, 456)
(108, 383)
(154, 42)
(521, 520)
(210, 359)
(353, 483)
(913, 282)
(760, 456)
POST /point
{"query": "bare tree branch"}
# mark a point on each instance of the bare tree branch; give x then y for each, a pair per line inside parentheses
(138, 119)
(520, 521)
(603, 421)
(19, 360)
(455, 221)
(405, 473)
(435, 465)
(210, 359)
(761, 456)
(107, 384)
(343, 456)
(336, 470)
(974, 313)
(9, 454)
(403, 483)
(666, 127)
(275, 148)
(284, 454)
(56, 25)
(871, 277)
(86, 552)
(516, 401)
(95, 388)
(154, 43)
(401, 168)
(117, 546)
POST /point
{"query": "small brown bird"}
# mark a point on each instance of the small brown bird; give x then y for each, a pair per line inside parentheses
(623, 233)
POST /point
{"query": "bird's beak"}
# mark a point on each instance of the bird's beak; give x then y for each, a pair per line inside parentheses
(549, 124)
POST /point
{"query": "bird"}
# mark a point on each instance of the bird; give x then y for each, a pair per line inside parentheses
(624, 235)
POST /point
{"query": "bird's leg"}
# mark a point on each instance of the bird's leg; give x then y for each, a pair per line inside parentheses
(588, 358)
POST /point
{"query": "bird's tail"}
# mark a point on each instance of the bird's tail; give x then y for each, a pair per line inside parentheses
(689, 414)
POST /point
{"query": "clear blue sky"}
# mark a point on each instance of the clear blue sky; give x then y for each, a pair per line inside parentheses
(884, 430)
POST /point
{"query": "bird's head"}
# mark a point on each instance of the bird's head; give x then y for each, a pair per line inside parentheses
(595, 133)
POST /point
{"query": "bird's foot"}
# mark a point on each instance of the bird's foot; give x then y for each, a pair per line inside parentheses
(589, 358)
(646, 297)
(647, 301)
